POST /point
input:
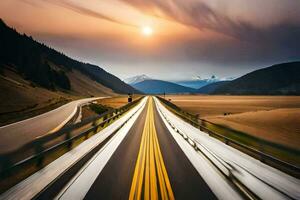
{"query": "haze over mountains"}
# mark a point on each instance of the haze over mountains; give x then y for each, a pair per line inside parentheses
(160, 87)
(280, 79)
(199, 82)
(153, 86)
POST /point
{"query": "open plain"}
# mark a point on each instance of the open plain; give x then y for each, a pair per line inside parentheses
(273, 118)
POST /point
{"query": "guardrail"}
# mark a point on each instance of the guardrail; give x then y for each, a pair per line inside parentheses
(37, 150)
(225, 171)
(263, 157)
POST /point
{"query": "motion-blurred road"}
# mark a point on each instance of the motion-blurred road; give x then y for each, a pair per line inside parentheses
(149, 146)
(150, 153)
(16, 134)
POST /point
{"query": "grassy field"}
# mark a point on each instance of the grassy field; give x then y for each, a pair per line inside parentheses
(278, 125)
(206, 105)
(116, 102)
(109, 103)
(273, 118)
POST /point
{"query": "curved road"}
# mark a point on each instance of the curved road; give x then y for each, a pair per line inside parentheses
(19, 133)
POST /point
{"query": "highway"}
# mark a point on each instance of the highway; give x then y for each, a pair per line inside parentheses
(16, 134)
(156, 155)
(149, 165)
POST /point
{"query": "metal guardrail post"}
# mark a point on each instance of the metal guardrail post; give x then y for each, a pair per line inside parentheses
(70, 142)
(38, 147)
(261, 149)
(226, 141)
(96, 125)
(5, 163)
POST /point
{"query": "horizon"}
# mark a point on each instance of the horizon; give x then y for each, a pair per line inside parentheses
(164, 42)
(178, 99)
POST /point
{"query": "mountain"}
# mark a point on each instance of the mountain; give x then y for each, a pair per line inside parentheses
(136, 79)
(160, 87)
(210, 88)
(195, 83)
(280, 79)
(50, 69)
(198, 82)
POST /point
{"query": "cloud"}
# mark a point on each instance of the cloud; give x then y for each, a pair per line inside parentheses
(201, 15)
(81, 10)
(258, 33)
(251, 41)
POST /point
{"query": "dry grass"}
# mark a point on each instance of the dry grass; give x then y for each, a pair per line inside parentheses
(218, 105)
(278, 125)
(113, 102)
(83, 85)
(21, 99)
(273, 118)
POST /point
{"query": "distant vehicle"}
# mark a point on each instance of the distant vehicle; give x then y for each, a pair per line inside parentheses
(129, 97)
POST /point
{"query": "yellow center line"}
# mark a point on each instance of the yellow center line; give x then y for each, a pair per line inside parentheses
(150, 178)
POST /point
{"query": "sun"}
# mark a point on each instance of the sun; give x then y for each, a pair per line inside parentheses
(147, 31)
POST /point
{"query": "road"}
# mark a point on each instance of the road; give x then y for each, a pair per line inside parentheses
(16, 134)
(154, 156)
(149, 162)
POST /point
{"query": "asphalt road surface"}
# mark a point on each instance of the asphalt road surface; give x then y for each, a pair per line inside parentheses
(149, 164)
(14, 135)
(156, 155)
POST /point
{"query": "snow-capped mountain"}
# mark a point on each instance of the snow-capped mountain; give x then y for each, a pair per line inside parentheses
(136, 79)
(198, 82)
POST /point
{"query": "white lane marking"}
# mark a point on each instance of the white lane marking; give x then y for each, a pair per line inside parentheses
(271, 176)
(214, 180)
(64, 122)
(35, 183)
(78, 187)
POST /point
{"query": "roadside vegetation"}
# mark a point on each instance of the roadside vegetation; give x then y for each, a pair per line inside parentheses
(98, 108)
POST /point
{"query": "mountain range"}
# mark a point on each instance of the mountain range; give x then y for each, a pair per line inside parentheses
(153, 86)
(279, 79)
(51, 69)
(198, 83)
(210, 88)
(136, 79)
(160, 87)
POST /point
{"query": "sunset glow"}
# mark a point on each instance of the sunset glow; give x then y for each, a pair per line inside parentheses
(147, 31)
(195, 37)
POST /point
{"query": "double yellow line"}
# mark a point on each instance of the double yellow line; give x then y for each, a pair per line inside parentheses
(150, 179)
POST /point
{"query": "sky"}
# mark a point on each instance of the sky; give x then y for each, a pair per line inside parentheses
(190, 39)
